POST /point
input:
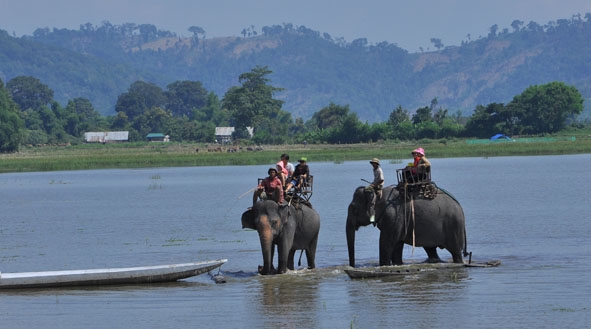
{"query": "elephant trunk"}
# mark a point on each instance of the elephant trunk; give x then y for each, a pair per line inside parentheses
(351, 239)
(266, 239)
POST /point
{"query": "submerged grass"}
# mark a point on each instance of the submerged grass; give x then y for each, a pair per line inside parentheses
(146, 155)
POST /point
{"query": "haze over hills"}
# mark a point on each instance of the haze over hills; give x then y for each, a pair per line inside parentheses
(101, 62)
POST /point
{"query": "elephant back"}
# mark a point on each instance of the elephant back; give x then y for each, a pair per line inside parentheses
(307, 219)
(429, 190)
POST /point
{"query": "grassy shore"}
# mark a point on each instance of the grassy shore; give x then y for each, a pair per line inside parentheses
(144, 155)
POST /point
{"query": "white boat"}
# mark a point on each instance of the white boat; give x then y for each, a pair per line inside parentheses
(108, 276)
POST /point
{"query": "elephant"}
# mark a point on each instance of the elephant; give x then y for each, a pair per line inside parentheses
(291, 227)
(432, 222)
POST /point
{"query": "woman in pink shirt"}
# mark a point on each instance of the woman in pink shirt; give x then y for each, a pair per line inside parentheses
(282, 171)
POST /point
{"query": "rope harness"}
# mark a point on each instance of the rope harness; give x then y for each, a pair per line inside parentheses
(428, 191)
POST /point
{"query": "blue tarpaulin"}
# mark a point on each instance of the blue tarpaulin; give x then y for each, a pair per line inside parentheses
(498, 136)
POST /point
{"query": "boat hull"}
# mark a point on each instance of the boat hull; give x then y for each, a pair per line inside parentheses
(110, 276)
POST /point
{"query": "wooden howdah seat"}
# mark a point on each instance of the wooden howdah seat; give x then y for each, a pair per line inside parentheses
(416, 184)
(405, 175)
(304, 192)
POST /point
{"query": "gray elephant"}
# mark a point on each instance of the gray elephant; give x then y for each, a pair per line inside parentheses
(289, 227)
(434, 222)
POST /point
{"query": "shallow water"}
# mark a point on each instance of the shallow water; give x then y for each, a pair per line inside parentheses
(532, 213)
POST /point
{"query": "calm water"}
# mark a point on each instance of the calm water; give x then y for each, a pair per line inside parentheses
(532, 213)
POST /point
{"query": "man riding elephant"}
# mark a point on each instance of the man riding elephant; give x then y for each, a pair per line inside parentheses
(270, 188)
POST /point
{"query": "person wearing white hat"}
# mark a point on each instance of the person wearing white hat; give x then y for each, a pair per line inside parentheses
(376, 186)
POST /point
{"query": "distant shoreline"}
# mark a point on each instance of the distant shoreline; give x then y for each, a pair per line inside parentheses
(149, 155)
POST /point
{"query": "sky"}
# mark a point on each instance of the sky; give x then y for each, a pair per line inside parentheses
(410, 24)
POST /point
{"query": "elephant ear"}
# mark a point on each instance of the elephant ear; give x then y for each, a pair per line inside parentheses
(248, 219)
(368, 194)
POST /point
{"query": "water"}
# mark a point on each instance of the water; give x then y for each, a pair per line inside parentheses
(529, 212)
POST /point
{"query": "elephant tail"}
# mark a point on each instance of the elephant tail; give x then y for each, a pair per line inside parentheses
(466, 253)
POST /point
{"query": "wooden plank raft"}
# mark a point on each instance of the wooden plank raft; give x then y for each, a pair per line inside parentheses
(384, 271)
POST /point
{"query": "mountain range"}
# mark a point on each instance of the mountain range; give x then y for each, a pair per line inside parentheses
(313, 68)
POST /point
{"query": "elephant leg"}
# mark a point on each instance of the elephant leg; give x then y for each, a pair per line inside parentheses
(432, 255)
(457, 256)
(272, 270)
(290, 257)
(283, 256)
(311, 253)
(390, 251)
(397, 253)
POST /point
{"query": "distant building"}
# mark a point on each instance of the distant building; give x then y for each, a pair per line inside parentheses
(157, 137)
(224, 134)
(106, 137)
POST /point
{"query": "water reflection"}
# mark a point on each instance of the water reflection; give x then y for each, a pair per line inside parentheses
(399, 298)
(288, 301)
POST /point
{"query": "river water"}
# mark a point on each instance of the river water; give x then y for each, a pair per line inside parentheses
(532, 213)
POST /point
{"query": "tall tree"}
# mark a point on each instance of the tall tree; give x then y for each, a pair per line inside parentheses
(423, 114)
(29, 92)
(399, 124)
(437, 43)
(80, 117)
(185, 96)
(10, 122)
(544, 108)
(485, 121)
(398, 116)
(141, 97)
(330, 116)
(253, 102)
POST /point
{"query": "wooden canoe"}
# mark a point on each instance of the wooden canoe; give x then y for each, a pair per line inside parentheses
(108, 276)
(383, 271)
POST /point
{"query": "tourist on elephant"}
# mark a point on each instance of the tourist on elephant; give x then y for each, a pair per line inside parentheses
(417, 172)
(376, 185)
(300, 174)
(282, 169)
(270, 188)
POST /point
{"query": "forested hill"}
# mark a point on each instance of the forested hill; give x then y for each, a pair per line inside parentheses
(315, 69)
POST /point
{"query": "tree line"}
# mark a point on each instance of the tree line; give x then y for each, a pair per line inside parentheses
(187, 112)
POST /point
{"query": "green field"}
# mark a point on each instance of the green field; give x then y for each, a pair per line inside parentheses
(145, 155)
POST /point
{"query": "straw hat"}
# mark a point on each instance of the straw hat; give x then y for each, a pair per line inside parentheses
(375, 160)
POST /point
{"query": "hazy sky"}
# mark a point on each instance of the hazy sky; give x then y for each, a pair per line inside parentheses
(408, 23)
